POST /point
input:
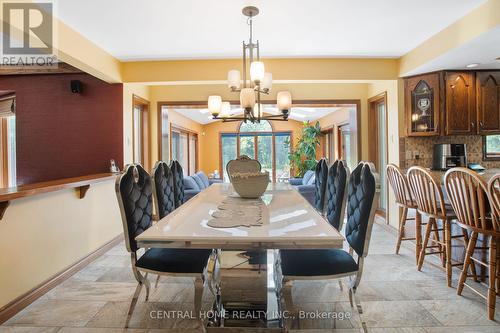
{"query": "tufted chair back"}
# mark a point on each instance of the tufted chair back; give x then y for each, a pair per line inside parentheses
(320, 184)
(135, 198)
(178, 179)
(362, 195)
(336, 193)
(163, 189)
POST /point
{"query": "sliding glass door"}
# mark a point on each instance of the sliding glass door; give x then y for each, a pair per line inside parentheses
(258, 141)
(185, 150)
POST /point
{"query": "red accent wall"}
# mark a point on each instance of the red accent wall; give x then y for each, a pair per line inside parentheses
(61, 134)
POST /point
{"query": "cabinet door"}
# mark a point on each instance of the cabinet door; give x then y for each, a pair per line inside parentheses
(460, 115)
(422, 105)
(488, 102)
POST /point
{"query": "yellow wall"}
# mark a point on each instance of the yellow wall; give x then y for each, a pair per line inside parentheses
(154, 72)
(44, 234)
(472, 25)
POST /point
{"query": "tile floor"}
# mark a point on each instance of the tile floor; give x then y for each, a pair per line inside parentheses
(394, 296)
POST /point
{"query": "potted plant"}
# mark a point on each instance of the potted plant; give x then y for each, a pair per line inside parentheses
(303, 155)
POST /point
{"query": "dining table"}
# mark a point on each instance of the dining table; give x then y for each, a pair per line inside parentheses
(287, 221)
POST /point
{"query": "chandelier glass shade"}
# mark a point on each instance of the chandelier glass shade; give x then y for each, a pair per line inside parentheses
(260, 82)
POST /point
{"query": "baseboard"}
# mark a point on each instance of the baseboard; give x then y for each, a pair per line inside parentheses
(15, 306)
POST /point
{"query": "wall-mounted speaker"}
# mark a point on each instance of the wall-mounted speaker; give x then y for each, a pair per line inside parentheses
(76, 86)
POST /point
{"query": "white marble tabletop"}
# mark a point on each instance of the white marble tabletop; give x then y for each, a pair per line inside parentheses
(289, 222)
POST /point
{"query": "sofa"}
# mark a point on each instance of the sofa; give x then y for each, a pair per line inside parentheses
(305, 185)
(196, 183)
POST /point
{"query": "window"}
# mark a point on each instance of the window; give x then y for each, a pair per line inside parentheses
(260, 142)
(185, 149)
(327, 144)
(164, 144)
(140, 131)
(7, 142)
(491, 147)
(344, 143)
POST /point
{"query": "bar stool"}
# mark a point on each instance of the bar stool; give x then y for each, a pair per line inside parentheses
(468, 194)
(430, 202)
(404, 199)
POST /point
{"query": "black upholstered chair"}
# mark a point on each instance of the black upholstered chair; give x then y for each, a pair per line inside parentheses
(363, 192)
(336, 193)
(320, 184)
(134, 191)
(163, 189)
(178, 179)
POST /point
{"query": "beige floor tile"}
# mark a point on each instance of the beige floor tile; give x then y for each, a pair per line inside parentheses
(93, 291)
(57, 313)
(89, 274)
(117, 274)
(99, 330)
(27, 329)
(459, 312)
(397, 330)
(396, 314)
(146, 315)
(111, 261)
(339, 315)
(463, 329)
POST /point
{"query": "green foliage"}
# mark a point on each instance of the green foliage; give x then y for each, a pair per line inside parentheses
(303, 155)
(493, 144)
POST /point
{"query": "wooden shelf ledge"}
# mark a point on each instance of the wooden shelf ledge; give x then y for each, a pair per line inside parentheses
(80, 184)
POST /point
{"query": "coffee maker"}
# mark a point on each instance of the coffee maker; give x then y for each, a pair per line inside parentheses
(449, 155)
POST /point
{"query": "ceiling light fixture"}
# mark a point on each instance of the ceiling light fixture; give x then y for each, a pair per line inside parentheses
(472, 65)
(250, 93)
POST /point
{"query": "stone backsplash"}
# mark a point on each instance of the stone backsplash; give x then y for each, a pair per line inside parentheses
(422, 146)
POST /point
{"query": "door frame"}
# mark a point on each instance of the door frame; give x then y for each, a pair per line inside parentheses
(373, 144)
(354, 117)
(145, 131)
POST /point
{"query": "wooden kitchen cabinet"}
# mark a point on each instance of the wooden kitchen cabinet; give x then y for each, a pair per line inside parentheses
(460, 103)
(488, 102)
(422, 104)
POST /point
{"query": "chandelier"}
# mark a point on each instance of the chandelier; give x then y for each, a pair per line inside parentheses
(250, 92)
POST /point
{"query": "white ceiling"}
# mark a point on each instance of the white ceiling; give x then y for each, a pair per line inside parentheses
(203, 116)
(194, 29)
(482, 50)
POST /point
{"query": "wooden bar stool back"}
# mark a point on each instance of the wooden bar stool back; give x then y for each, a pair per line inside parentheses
(404, 199)
(468, 195)
(430, 202)
(493, 228)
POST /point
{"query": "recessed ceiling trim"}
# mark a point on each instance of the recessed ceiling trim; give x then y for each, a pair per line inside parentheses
(224, 82)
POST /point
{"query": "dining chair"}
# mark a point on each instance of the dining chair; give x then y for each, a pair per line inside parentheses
(163, 189)
(363, 193)
(321, 175)
(178, 180)
(134, 192)
(336, 193)
(431, 203)
(404, 199)
(242, 164)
